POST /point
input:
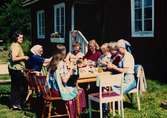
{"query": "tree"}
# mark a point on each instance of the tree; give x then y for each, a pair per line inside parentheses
(13, 17)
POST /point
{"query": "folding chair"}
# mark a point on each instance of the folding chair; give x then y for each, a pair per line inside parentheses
(107, 96)
(141, 84)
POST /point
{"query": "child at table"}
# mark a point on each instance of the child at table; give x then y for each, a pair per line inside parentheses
(76, 54)
(57, 79)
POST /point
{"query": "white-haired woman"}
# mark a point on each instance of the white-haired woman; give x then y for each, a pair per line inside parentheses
(126, 66)
(36, 61)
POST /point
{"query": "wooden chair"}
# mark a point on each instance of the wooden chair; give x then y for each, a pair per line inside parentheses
(48, 99)
(107, 96)
(30, 76)
(141, 84)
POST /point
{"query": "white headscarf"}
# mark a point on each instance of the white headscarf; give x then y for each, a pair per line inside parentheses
(36, 50)
(124, 44)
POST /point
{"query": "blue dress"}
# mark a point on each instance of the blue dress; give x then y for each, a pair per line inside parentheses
(35, 62)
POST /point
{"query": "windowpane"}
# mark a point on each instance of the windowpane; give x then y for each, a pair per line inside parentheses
(138, 25)
(148, 12)
(59, 19)
(43, 24)
(62, 31)
(62, 11)
(40, 24)
(138, 3)
(148, 25)
(138, 13)
(147, 3)
(57, 28)
(57, 12)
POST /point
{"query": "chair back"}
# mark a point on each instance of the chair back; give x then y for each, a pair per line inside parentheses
(43, 86)
(107, 80)
(140, 78)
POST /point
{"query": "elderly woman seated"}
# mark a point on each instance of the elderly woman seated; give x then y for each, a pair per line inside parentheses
(126, 66)
(36, 61)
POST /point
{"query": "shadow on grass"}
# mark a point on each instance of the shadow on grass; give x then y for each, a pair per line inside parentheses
(5, 100)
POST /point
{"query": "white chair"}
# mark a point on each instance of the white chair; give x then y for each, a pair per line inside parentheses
(141, 84)
(107, 96)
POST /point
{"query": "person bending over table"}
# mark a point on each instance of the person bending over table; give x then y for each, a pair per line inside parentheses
(105, 57)
(126, 66)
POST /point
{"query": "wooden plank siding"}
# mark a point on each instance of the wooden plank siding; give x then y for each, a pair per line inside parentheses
(110, 20)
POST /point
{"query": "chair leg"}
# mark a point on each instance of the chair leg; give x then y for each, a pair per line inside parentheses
(90, 107)
(50, 109)
(122, 109)
(28, 95)
(101, 111)
(119, 107)
(138, 101)
(67, 109)
(43, 111)
(113, 106)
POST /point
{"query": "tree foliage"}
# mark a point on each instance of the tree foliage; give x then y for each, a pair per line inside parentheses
(13, 16)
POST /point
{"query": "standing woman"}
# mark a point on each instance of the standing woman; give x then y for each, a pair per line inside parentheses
(16, 66)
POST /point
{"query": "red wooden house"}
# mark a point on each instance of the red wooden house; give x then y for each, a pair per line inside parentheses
(141, 22)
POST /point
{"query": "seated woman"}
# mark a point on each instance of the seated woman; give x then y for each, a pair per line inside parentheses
(36, 61)
(93, 51)
(105, 57)
(115, 55)
(126, 66)
(57, 79)
(76, 55)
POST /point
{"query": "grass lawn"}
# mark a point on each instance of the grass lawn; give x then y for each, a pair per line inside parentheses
(3, 57)
(150, 104)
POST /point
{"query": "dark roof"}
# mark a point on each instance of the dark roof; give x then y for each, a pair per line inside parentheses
(30, 2)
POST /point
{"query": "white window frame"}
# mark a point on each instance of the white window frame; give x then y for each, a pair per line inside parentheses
(141, 33)
(58, 6)
(40, 25)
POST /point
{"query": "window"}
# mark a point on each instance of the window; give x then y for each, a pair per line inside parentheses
(59, 19)
(41, 24)
(142, 18)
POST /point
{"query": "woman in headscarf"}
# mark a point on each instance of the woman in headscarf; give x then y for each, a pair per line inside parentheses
(126, 66)
(36, 61)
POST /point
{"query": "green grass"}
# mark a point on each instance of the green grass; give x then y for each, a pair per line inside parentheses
(5, 112)
(4, 77)
(4, 88)
(3, 57)
(150, 104)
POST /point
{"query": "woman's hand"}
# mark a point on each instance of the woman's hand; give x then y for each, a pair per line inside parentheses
(26, 58)
(111, 66)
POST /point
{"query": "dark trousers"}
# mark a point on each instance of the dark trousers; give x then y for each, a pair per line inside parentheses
(18, 87)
